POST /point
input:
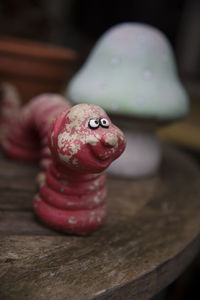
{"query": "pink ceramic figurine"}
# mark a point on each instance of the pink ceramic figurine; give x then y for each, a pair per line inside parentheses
(83, 143)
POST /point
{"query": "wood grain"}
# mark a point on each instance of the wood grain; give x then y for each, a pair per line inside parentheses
(151, 234)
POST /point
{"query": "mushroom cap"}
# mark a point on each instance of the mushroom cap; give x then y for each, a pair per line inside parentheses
(131, 70)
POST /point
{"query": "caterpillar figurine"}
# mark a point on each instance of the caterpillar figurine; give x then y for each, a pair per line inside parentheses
(82, 142)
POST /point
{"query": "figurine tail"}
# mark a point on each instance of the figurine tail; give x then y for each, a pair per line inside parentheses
(10, 103)
(27, 138)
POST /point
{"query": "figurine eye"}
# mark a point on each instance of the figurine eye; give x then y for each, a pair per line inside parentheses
(93, 124)
(104, 123)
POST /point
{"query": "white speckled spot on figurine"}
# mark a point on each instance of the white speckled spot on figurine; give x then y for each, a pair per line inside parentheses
(131, 73)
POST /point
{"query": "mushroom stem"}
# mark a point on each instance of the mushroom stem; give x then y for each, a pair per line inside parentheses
(141, 157)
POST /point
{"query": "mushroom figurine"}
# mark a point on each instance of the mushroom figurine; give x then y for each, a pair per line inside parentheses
(131, 73)
(83, 142)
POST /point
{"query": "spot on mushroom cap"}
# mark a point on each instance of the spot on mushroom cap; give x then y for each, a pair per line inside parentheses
(132, 71)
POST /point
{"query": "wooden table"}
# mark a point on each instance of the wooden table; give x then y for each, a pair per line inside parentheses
(152, 233)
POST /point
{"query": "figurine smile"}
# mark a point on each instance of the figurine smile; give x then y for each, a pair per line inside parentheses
(104, 151)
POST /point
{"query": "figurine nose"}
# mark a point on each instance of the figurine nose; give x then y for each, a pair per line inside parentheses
(109, 139)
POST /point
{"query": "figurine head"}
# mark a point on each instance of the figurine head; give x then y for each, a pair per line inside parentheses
(83, 138)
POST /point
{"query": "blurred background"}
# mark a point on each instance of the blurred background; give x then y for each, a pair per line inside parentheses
(78, 24)
(72, 27)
